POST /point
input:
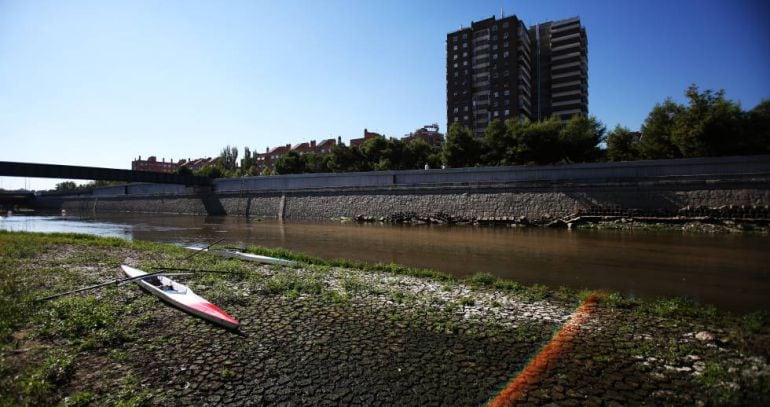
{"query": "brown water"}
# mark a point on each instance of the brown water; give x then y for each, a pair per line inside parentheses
(729, 271)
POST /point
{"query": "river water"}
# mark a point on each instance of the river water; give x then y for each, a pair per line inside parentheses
(731, 271)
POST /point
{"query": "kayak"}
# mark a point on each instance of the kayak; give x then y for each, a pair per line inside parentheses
(182, 297)
(234, 254)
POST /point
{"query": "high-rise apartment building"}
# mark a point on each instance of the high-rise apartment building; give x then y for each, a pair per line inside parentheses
(500, 69)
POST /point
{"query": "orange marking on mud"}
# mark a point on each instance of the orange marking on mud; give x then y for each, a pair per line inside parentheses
(550, 352)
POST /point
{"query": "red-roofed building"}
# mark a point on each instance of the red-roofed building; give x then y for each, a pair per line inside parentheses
(356, 142)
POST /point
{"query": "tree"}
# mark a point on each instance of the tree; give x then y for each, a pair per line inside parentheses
(183, 170)
(495, 144)
(579, 139)
(317, 163)
(709, 126)
(211, 171)
(418, 153)
(461, 149)
(621, 145)
(66, 186)
(290, 163)
(657, 129)
(757, 129)
(346, 159)
(229, 158)
(536, 142)
(248, 161)
(373, 149)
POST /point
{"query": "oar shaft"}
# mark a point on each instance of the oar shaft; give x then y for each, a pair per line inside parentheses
(201, 250)
(92, 287)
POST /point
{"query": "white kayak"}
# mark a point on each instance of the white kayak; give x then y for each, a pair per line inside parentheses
(181, 297)
(234, 254)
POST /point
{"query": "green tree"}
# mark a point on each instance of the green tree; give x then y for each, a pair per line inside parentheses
(317, 163)
(373, 150)
(537, 142)
(621, 145)
(657, 129)
(709, 126)
(418, 153)
(183, 170)
(757, 129)
(66, 186)
(461, 149)
(346, 159)
(211, 171)
(229, 158)
(290, 163)
(497, 140)
(579, 139)
(248, 161)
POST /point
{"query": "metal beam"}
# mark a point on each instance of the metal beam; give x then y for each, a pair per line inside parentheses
(15, 169)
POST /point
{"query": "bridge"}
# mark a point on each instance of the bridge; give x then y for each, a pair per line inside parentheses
(9, 199)
(16, 169)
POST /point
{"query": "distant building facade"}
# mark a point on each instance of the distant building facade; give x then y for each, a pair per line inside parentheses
(500, 69)
(428, 134)
(152, 164)
(272, 155)
(356, 142)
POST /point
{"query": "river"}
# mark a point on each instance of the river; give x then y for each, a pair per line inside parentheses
(730, 271)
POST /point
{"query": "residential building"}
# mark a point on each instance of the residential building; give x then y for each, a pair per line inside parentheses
(152, 164)
(428, 134)
(500, 69)
(560, 74)
(356, 142)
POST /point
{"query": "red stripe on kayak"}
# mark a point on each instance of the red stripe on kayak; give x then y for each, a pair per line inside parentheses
(211, 309)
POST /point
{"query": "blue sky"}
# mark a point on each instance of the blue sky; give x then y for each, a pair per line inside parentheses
(99, 83)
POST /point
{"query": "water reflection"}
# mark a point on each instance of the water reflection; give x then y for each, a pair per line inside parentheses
(730, 271)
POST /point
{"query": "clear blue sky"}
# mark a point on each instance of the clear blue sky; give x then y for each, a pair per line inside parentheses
(101, 82)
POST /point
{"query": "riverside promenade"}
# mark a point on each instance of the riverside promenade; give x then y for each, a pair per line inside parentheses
(326, 333)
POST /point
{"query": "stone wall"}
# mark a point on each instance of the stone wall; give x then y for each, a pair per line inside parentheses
(709, 184)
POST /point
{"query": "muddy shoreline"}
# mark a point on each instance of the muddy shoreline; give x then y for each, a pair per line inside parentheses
(324, 333)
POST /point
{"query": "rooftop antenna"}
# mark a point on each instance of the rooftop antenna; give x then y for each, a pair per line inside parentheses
(501, 13)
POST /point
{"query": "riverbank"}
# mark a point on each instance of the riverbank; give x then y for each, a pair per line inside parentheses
(346, 333)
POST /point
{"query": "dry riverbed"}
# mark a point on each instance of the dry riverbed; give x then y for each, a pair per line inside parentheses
(334, 333)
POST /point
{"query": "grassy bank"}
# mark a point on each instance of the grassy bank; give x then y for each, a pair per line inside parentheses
(455, 340)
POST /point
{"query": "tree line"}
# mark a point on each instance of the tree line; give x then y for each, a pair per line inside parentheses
(708, 125)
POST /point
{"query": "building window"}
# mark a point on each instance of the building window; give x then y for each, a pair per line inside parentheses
(505, 36)
(505, 24)
(496, 113)
(494, 47)
(465, 108)
(455, 74)
(505, 54)
(465, 45)
(454, 39)
(455, 46)
(507, 112)
(456, 110)
(465, 36)
(465, 63)
(454, 56)
(457, 119)
(465, 54)
(455, 65)
(507, 92)
(465, 117)
(496, 94)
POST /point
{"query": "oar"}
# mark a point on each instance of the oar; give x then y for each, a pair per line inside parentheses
(193, 271)
(201, 250)
(117, 282)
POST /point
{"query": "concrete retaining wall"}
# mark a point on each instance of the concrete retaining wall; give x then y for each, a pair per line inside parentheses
(535, 192)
